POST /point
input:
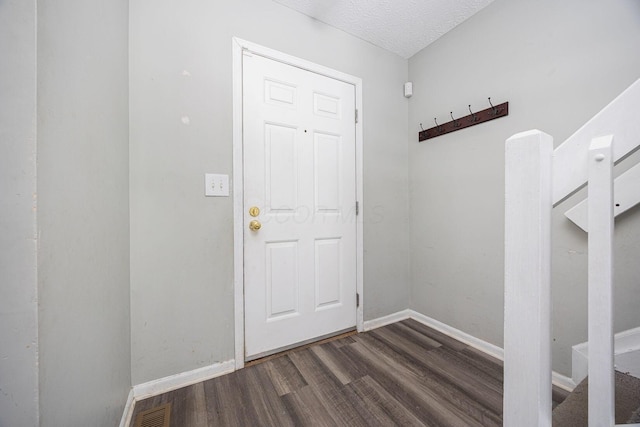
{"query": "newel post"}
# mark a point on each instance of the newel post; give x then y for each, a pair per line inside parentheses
(527, 297)
(600, 219)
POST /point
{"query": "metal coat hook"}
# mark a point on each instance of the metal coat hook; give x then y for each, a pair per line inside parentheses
(437, 125)
(495, 110)
(474, 118)
(456, 123)
(421, 127)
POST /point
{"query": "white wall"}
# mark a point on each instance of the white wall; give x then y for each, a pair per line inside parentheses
(83, 212)
(557, 63)
(181, 242)
(18, 278)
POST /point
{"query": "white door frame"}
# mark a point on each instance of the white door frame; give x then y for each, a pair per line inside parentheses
(239, 46)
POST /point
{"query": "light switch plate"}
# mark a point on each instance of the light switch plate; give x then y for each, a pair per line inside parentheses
(216, 185)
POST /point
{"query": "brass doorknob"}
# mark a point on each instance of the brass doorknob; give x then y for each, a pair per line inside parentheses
(255, 225)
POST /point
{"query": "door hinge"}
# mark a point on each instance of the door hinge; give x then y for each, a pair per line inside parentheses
(357, 300)
(357, 208)
(356, 115)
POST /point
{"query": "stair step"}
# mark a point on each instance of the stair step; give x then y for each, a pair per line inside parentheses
(573, 411)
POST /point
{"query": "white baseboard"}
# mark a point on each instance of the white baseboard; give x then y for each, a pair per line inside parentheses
(387, 320)
(128, 411)
(558, 380)
(562, 381)
(477, 343)
(173, 382)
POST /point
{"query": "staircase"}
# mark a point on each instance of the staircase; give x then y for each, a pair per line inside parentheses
(573, 410)
(537, 177)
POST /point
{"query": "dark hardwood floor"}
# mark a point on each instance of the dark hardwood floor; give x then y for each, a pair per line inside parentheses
(404, 374)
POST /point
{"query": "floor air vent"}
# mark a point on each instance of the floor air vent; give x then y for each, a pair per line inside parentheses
(154, 417)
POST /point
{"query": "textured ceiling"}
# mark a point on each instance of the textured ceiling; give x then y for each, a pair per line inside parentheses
(401, 26)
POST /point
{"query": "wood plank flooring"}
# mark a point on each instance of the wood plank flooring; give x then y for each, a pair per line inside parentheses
(403, 374)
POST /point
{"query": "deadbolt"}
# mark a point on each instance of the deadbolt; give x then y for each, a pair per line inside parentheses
(254, 211)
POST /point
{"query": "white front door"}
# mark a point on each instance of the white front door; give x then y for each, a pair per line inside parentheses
(299, 162)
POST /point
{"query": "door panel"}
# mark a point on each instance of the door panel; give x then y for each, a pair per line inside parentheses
(280, 152)
(299, 170)
(281, 280)
(328, 281)
(327, 172)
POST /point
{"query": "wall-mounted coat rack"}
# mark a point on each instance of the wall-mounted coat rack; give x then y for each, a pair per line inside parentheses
(472, 119)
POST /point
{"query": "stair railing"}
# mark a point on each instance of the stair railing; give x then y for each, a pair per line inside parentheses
(537, 177)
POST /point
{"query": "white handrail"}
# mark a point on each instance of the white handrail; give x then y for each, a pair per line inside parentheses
(527, 331)
(527, 344)
(530, 194)
(527, 338)
(619, 118)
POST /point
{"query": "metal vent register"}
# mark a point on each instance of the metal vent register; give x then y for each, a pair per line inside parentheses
(154, 417)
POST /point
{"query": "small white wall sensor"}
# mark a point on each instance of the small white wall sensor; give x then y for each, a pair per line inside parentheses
(408, 89)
